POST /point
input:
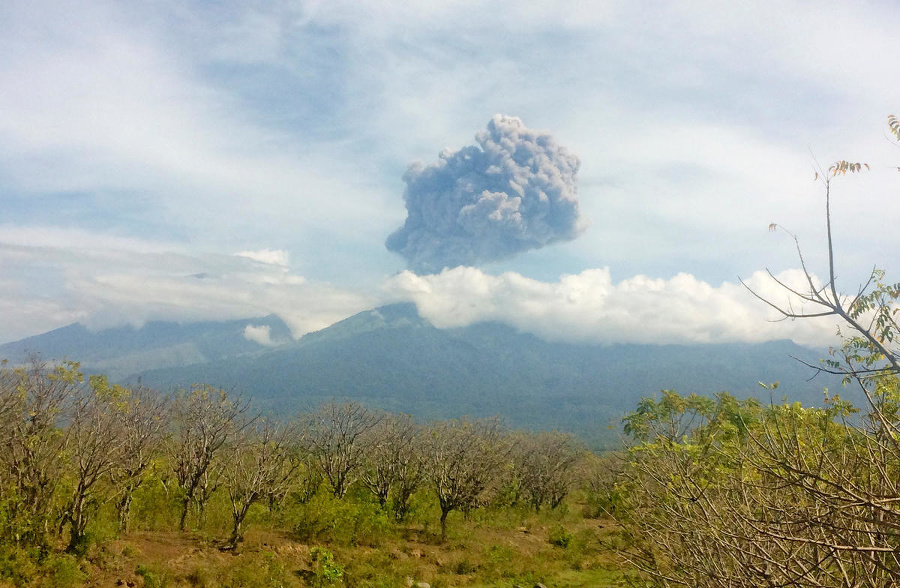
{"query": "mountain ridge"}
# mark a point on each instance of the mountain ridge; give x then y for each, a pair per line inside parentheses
(121, 351)
(391, 358)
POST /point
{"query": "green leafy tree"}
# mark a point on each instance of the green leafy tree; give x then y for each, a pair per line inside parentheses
(737, 494)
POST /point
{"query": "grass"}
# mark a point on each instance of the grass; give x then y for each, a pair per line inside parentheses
(348, 543)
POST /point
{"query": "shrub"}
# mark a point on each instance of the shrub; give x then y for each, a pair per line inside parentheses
(64, 571)
(152, 577)
(18, 565)
(347, 521)
(464, 566)
(560, 537)
(326, 572)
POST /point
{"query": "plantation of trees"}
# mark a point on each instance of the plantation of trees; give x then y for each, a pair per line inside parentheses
(85, 464)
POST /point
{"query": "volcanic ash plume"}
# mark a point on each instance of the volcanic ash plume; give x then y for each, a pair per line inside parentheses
(513, 191)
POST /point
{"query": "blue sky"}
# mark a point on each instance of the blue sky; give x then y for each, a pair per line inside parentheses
(187, 160)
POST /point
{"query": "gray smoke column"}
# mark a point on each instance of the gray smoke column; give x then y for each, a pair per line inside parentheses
(513, 191)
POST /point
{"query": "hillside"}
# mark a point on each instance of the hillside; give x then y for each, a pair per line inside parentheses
(123, 351)
(391, 358)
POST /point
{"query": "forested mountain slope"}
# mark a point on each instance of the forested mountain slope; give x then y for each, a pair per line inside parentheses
(391, 358)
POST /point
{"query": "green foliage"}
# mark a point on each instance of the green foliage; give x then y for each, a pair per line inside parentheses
(670, 418)
(353, 521)
(845, 167)
(155, 507)
(326, 571)
(153, 578)
(747, 481)
(894, 126)
(64, 571)
(18, 565)
(27, 568)
(267, 571)
(559, 536)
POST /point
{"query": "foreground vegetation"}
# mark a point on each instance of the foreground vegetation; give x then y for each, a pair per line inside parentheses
(196, 491)
(721, 492)
(104, 484)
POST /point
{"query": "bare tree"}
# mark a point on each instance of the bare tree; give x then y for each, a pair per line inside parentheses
(543, 465)
(144, 417)
(89, 452)
(262, 462)
(746, 495)
(33, 398)
(203, 419)
(393, 466)
(307, 481)
(334, 439)
(462, 458)
(870, 349)
(721, 492)
(9, 401)
(96, 448)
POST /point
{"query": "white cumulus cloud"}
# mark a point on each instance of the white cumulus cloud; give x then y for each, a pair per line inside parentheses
(589, 307)
(259, 334)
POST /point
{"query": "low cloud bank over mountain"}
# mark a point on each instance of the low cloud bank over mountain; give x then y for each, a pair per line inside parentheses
(590, 308)
(514, 191)
(105, 285)
(105, 282)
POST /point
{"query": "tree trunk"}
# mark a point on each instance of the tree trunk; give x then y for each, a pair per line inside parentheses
(339, 488)
(124, 509)
(185, 505)
(444, 513)
(237, 531)
(201, 513)
(401, 507)
(78, 524)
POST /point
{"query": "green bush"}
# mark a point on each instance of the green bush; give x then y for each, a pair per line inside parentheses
(152, 577)
(347, 521)
(560, 537)
(18, 566)
(464, 566)
(22, 567)
(326, 572)
(153, 508)
(64, 571)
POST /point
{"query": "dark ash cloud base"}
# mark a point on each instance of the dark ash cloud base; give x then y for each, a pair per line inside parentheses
(514, 191)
